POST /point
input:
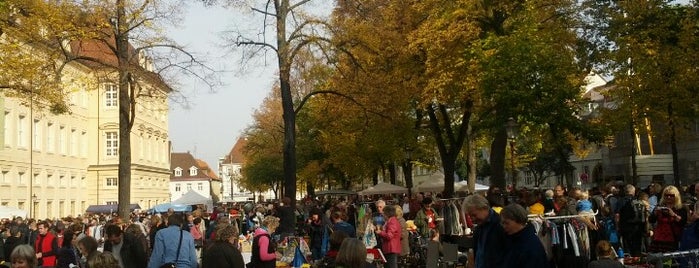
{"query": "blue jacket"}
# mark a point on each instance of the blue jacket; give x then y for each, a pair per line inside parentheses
(165, 248)
(346, 228)
(489, 242)
(525, 250)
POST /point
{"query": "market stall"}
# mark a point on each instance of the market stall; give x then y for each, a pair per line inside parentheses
(384, 188)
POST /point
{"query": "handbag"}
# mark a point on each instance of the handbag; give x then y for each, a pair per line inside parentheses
(174, 264)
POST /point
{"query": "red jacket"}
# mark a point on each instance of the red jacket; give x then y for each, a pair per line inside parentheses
(48, 246)
(391, 236)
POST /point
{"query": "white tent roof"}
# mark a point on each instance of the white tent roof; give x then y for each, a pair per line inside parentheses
(384, 188)
(9, 213)
(194, 198)
(435, 183)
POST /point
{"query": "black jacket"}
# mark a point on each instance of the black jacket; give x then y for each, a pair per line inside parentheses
(525, 250)
(132, 253)
(494, 247)
(222, 254)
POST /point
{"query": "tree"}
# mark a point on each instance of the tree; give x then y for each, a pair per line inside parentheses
(121, 41)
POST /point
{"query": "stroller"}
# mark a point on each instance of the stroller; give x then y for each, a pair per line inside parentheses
(418, 251)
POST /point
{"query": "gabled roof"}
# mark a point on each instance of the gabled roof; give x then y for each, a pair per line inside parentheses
(185, 161)
(235, 156)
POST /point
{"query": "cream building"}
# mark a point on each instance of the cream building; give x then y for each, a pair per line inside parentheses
(57, 165)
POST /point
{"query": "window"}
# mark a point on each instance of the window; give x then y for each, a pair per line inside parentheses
(82, 181)
(61, 180)
(72, 141)
(200, 186)
(141, 148)
(72, 181)
(178, 172)
(192, 171)
(3, 176)
(62, 140)
(177, 187)
(112, 181)
(36, 139)
(83, 144)
(20, 178)
(36, 180)
(21, 131)
(6, 129)
(189, 186)
(110, 95)
(50, 137)
(112, 141)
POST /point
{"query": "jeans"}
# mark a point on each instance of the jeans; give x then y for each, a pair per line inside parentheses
(391, 260)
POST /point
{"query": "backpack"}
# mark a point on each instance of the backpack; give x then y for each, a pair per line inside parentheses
(633, 211)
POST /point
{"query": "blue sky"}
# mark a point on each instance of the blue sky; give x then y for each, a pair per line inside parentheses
(214, 120)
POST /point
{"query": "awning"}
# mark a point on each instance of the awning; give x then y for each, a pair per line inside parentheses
(162, 208)
(108, 208)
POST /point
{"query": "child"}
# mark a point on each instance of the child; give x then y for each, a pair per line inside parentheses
(584, 205)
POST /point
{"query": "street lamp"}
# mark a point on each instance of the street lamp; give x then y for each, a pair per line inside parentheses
(34, 205)
(511, 129)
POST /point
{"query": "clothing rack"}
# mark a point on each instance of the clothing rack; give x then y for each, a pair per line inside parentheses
(453, 198)
(657, 258)
(562, 217)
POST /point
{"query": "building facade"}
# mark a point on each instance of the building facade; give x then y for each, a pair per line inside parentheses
(57, 165)
(190, 174)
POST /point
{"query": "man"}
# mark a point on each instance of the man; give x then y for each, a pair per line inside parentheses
(126, 248)
(46, 246)
(631, 231)
(426, 218)
(340, 225)
(287, 218)
(489, 237)
(167, 241)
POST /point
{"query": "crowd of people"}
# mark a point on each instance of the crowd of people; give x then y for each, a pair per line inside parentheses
(339, 230)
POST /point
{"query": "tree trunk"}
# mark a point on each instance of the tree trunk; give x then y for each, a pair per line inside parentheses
(471, 159)
(375, 177)
(673, 146)
(449, 140)
(126, 98)
(310, 189)
(284, 61)
(392, 172)
(497, 159)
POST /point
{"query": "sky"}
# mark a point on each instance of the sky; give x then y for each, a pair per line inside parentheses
(210, 126)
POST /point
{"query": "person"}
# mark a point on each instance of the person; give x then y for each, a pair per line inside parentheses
(404, 234)
(263, 248)
(88, 249)
(426, 217)
(489, 237)
(287, 218)
(549, 206)
(340, 225)
(336, 239)
(629, 227)
(352, 254)
(316, 230)
(584, 205)
(223, 252)
(168, 241)
(526, 249)
(156, 224)
(46, 246)
(13, 240)
(670, 217)
(605, 256)
(390, 234)
(23, 256)
(67, 255)
(104, 260)
(127, 249)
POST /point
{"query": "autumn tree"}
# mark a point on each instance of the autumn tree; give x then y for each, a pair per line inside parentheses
(122, 41)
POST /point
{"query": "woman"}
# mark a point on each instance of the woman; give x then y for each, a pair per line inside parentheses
(263, 248)
(525, 248)
(88, 249)
(156, 224)
(103, 260)
(352, 254)
(223, 252)
(66, 254)
(316, 228)
(23, 256)
(605, 257)
(404, 239)
(670, 217)
(390, 233)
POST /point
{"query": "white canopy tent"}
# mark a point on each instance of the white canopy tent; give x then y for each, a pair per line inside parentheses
(435, 183)
(9, 213)
(194, 198)
(383, 188)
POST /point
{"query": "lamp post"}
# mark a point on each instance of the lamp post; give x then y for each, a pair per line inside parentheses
(511, 129)
(34, 205)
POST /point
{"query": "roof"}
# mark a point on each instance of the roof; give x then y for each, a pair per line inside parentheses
(236, 153)
(185, 161)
